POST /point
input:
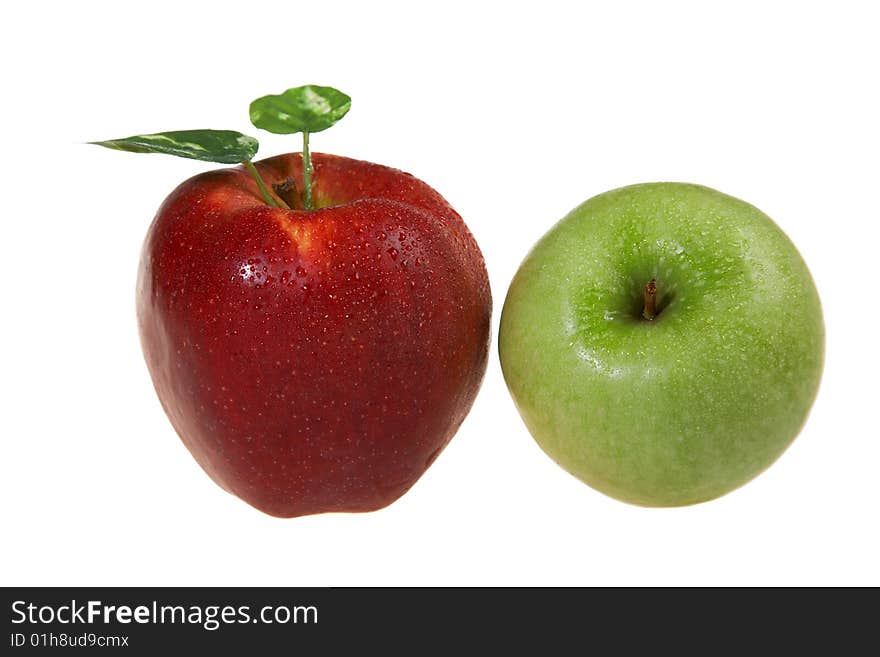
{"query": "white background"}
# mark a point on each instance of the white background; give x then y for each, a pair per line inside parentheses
(516, 112)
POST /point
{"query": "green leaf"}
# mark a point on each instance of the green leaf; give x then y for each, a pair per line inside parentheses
(225, 146)
(301, 109)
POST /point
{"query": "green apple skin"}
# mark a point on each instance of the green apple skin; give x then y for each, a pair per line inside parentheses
(698, 401)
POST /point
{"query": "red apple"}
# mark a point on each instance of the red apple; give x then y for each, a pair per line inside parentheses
(313, 361)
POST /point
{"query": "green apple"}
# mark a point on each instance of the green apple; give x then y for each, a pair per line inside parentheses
(663, 343)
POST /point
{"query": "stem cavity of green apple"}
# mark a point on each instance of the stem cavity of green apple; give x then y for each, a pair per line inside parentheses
(650, 309)
(305, 109)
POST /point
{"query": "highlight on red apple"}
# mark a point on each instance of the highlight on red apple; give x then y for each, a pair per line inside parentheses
(316, 327)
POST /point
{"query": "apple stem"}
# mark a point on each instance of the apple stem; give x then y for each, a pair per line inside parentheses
(307, 171)
(288, 193)
(650, 309)
(264, 191)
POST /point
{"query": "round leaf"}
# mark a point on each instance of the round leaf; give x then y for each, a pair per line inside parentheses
(301, 109)
(224, 146)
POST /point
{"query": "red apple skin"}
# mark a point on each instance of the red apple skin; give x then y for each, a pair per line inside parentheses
(313, 361)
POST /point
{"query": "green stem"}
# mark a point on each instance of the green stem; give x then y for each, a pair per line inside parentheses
(307, 170)
(264, 191)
